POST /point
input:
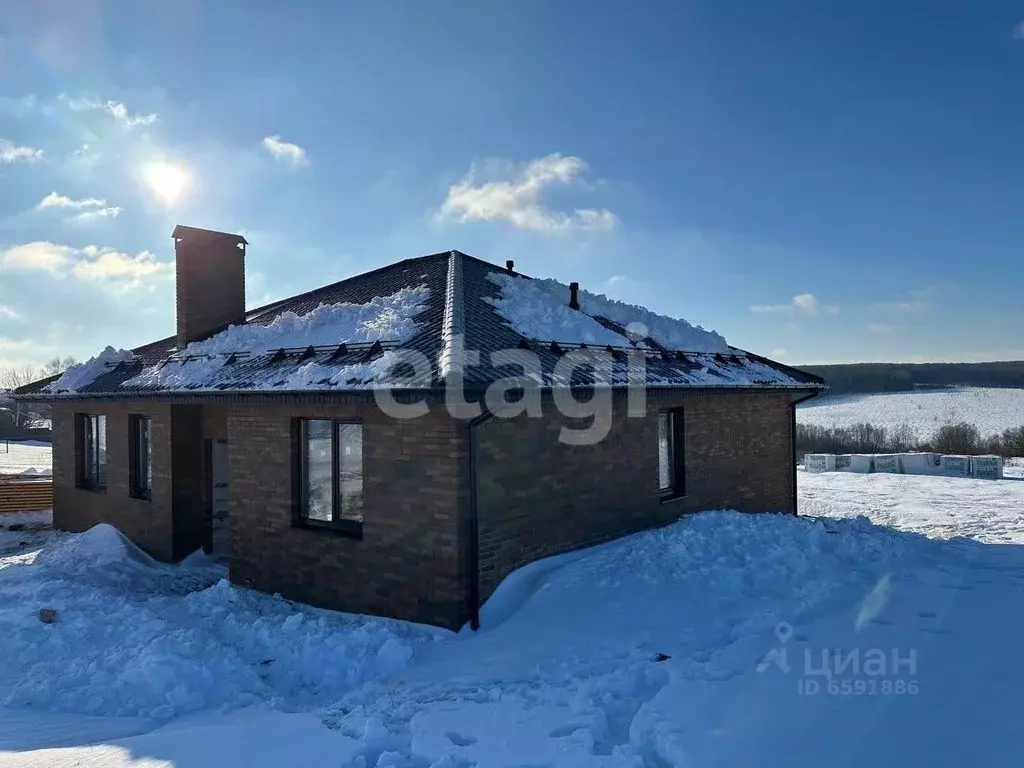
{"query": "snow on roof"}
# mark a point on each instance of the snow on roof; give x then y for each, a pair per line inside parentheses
(531, 309)
(384, 318)
(539, 309)
(78, 376)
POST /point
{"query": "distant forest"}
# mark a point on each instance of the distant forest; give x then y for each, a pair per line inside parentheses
(903, 377)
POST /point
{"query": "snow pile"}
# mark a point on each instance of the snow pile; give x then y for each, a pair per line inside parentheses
(685, 645)
(138, 638)
(104, 557)
(254, 739)
(539, 309)
(20, 531)
(385, 318)
(657, 650)
(83, 374)
(530, 309)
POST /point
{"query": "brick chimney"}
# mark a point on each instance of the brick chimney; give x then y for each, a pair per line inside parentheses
(574, 293)
(209, 281)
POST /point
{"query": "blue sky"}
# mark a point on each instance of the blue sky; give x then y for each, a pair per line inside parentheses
(821, 182)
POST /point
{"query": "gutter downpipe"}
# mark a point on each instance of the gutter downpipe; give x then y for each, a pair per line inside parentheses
(792, 432)
(474, 523)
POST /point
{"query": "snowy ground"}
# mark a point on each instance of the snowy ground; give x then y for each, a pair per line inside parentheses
(991, 410)
(26, 456)
(700, 644)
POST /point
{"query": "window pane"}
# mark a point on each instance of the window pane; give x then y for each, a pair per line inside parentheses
(317, 470)
(141, 478)
(665, 444)
(350, 470)
(85, 449)
(101, 451)
(147, 453)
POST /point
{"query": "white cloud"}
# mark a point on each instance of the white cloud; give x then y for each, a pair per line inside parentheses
(116, 109)
(45, 256)
(879, 328)
(106, 266)
(518, 200)
(285, 150)
(13, 153)
(9, 313)
(54, 200)
(1018, 31)
(108, 212)
(89, 208)
(801, 304)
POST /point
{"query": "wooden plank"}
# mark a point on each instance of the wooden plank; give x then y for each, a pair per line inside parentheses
(25, 496)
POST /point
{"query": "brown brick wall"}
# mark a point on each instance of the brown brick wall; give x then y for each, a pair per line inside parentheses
(409, 562)
(537, 497)
(209, 284)
(146, 522)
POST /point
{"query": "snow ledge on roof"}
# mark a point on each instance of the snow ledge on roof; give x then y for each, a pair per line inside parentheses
(539, 309)
(82, 375)
(383, 318)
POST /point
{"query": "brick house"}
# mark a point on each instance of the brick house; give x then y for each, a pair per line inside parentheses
(261, 435)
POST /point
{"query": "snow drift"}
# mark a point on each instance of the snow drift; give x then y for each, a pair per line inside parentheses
(83, 374)
(538, 309)
(384, 318)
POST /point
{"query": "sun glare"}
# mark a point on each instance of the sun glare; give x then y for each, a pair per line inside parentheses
(168, 181)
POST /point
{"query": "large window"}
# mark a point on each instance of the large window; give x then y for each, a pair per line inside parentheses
(140, 456)
(329, 473)
(671, 456)
(91, 450)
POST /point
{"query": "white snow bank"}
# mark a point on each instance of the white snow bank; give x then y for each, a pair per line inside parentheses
(385, 318)
(539, 309)
(100, 548)
(252, 739)
(78, 376)
(139, 638)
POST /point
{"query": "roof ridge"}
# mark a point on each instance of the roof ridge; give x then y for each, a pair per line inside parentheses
(453, 326)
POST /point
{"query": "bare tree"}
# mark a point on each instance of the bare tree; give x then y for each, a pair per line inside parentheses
(57, 365)
(13, 377)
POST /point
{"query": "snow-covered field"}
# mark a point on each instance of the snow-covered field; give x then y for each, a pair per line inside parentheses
(700, 644)
(991, 410)
(26, 456)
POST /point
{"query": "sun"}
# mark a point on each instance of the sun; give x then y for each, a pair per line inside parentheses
(168, 181)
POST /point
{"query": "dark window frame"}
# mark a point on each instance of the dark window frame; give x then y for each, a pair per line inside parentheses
(677, 454)
(300, 480)
(90, 461)
(136, 457)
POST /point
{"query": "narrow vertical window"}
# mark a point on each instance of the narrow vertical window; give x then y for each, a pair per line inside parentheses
(329, 465)
(665, 451)
(91, 450)
(317, 468)
(671, 454)
(140, 456)
(350, 471)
